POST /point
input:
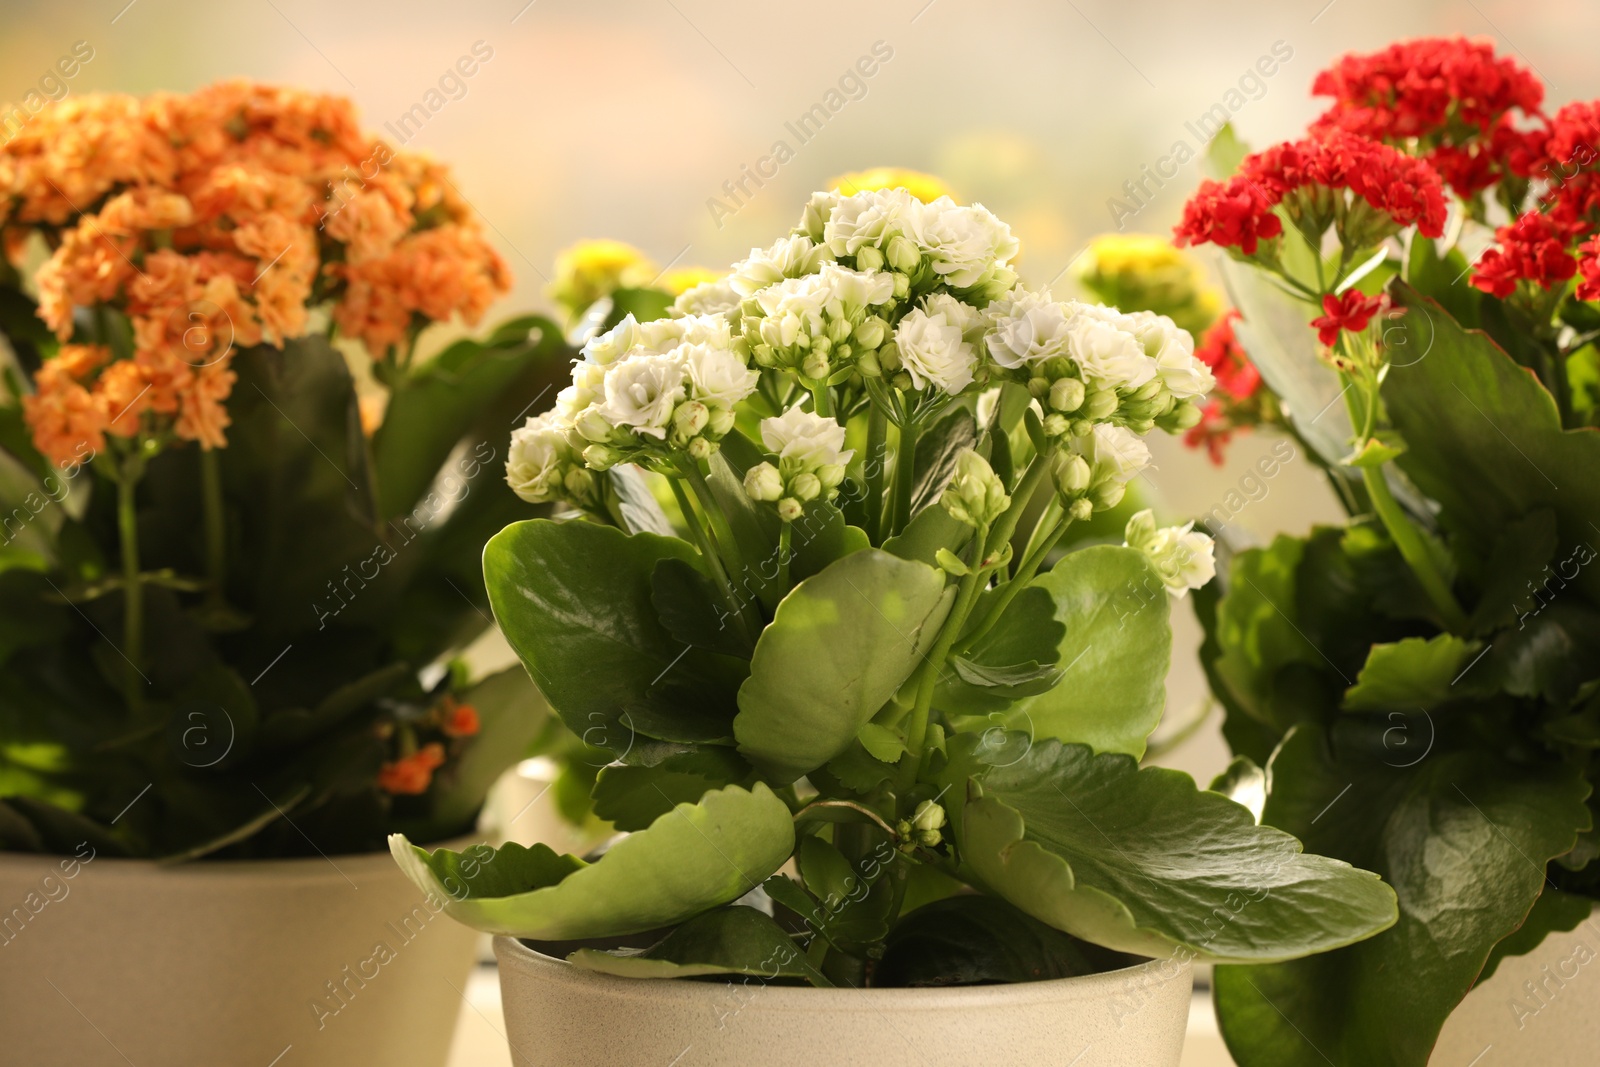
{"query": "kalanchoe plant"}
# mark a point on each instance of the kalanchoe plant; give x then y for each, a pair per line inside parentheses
(1421, 685)
(233, 588)
(843, 643)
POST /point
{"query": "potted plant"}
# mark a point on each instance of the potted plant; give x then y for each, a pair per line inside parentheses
(865, 737)
(1416, 281)
(235, 581)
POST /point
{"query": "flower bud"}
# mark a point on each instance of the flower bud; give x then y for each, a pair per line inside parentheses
(868, 366)
(869, 258)
(1055, 425)
(1082, 427)
(830, 475)
(690, 418)
(601, 457)
(1101, 404)
(1080, 509)
(1038, 386)
(1107, 495)
(579, 483)
(902, 286)
(1141, 530)
(903, 256)
(815, 366)
(872, 332)
(805, 487)
(763, 482)
(790, 509)
(593, 426)
(1066, 394)
(1072, 474)
(720, 422)
(975, 496)
(699, 448)
(950, 563)
(926, 823)
(889, 358)
(1185, 415)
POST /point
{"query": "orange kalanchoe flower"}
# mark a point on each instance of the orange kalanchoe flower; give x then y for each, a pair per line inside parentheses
(411, 775)
(460, 720)
(219, 219)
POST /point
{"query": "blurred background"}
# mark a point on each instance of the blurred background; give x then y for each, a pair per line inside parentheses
(695, 129)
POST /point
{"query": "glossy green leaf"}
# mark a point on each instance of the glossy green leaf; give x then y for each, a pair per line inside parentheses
(819, 537)
(1417, 673)
(633, 797)
(574, 601)
(1462, 836)
(1113, 655)
(839, 646)
(693, 611)
(736, 940)
(1256, 632)
(938, 448)
(1515, 566)
(980, 940)
(1142, 861)
(1016, 658)
(929, 531)
(693, 858)
(1463, 405)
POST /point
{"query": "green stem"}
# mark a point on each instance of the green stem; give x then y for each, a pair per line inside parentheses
(734, 566)
(1031, 563)
(215, 530)
(132, 588)
(785, 535)
(713, 561)
(1406, 537)
(877, 453)
(905, 462)
(821, 402)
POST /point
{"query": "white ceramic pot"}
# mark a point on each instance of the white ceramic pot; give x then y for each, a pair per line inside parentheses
(1542, 1008)
(294, 963)
(557, 1014)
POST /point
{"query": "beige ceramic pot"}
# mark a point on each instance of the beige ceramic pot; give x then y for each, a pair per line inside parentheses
(557, 1014)
(1542, 1008)
(294, 963)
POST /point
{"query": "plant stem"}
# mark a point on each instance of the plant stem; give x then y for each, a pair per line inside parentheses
(877, 453)
(785, 535)
(132, 590)
(821, 402)
(713, 561)
(1406, 537)
(904, 471)
(215, 530)
(917, 727)
(1019, 581)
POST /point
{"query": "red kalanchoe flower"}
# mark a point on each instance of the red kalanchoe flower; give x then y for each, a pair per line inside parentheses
(411, 775)
(1350, 311)
(1416, 89)
(1222, 354)
(1212, 432)
(460, 720)
(1534, 248)
(1589, 267)
(1236, 213)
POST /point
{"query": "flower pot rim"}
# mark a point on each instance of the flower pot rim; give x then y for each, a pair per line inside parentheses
(335, 867)
(514, 956)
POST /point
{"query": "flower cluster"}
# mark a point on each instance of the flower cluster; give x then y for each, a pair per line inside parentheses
(411, 774)
(1184, 559)
(215, 220)
(1388, 189)
(1145, 271)
(811, 463)
(1239, 401)
(589, 271)
(887, 300)
(1452, 98)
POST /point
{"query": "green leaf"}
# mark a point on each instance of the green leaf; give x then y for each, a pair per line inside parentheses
(1411, 674)
(1465, 406)
(736, 940)
(839, 646)
(820, 537)
(881, 742)
(440, 402)
(1016, 658)
(1224, 154)
(937, 451)
(573, 599)
(755, 525)
(1113, 656)
(633, 797)
(1463, 837)
(1142, 861)
(644, 305)
(693, 858)
(1518, 559)
(638, 506)
(1553, 912)
(1552, 654)
(980, 940)
(929, 531)
(1256, 630)
(1375, 453)
(1443, 278)
(1244, 783)
(693, 611)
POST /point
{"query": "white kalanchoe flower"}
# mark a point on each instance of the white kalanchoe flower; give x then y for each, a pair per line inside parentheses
(932, 345)
(1115, 457)
(1173, 350)
(606, 348)
(716, 375)
(707, 298)
(1027, 327)
(641, 393)
(1185, 559)
(870, 219)
(818, 210)
(659, 336)
(805, 440)
(1109, 353)
(541, 460)
(789, 257)
(964, 244)
(586, 390)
